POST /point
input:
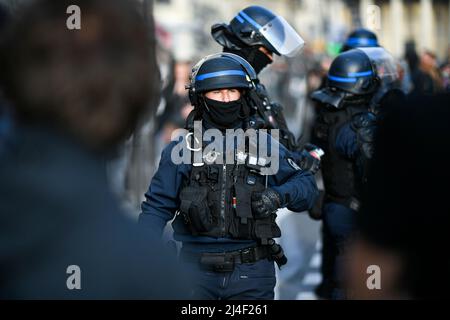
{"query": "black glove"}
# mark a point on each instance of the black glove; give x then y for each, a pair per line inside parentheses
(310, 158)
(265, 203)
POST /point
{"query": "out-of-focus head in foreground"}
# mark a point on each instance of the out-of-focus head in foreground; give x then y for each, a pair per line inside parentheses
(92, 83)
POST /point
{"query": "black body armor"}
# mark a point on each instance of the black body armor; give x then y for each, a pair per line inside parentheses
(216, 202)
(340, 180)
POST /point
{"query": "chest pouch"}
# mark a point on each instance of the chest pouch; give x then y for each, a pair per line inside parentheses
(247, 182)
(194, 205)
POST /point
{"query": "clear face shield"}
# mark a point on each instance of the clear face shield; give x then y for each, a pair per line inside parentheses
(384, 64)
(279, 33)
(386, 70)
(328, 96)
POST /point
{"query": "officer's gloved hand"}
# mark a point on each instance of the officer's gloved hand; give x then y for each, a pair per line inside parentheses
(265, 203)
(310, 158)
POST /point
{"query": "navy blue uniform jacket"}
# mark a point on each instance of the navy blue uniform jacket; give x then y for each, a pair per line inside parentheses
(162, 197)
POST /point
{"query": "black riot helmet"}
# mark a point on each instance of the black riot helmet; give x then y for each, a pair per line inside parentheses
(256, 26)
(352, 76)
(360, 38)
(220, 71)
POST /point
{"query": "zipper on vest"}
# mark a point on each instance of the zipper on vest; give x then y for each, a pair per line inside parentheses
(222, 202)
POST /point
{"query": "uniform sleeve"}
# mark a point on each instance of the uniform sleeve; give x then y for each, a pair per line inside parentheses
(161, 199)
(346, 142)
(297, 188)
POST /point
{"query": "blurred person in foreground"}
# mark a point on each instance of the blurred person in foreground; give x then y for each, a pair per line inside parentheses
(404, 222)
(6, 119)
(77, 94)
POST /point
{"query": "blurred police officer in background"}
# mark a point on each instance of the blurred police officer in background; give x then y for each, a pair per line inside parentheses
(225, 212)
(357, 82)
(77, 94)
(360, 38)
(256, 34)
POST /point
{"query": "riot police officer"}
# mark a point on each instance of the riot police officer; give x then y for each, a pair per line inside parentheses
(255, 34)
(360, 38)
(345, 128)
(225, 212)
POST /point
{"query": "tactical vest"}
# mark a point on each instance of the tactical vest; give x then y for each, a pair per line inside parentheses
(338, 172)
(216, 201)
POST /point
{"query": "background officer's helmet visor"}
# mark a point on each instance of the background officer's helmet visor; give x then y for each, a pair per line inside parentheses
(328, 96)
(383, 63)
(279, 33)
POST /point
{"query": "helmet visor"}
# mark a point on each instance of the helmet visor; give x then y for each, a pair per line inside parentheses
(328, 96)
(279, 33)
(384, 64)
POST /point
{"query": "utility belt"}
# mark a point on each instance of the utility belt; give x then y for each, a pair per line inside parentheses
(349, 202)
(225, 261)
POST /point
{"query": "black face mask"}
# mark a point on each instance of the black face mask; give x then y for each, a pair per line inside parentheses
(223, 115)
(258, 59)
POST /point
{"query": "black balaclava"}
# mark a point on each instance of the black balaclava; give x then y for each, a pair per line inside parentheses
(258, 59)
(224, 115)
